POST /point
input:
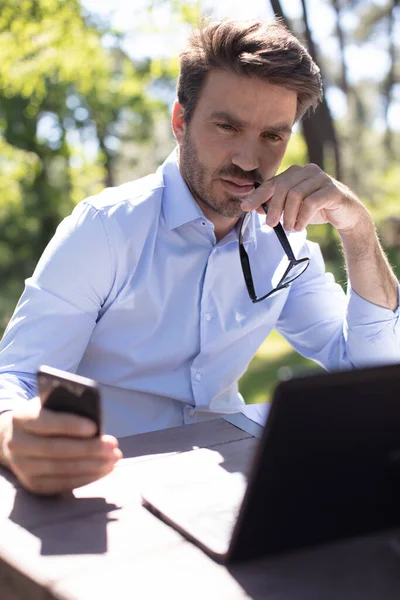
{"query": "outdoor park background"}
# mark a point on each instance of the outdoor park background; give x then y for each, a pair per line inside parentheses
(86, 90)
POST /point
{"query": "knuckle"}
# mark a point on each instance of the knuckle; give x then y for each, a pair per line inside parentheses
(272, 211)
(67, 468)
(18, 420)
(13, 446)
(281, 188)
(313, 168)
(295, 196)
(16, 442)
(332, 187)
(309, 202)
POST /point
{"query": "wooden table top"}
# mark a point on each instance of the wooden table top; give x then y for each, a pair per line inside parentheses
(101, 543)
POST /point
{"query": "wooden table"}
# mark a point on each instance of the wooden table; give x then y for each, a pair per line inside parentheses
(101, 543)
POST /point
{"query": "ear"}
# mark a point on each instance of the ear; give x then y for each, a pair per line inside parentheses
(178, 122)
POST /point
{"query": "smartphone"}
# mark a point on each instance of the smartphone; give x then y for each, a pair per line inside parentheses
(66, 392)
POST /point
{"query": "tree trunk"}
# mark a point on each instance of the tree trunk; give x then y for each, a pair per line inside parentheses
(323, 124)
(342, 44)
(354, 103)
(318, 129)
(278, 12)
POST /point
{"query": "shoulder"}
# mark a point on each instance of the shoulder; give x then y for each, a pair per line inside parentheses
(128, 196)
(124, 212)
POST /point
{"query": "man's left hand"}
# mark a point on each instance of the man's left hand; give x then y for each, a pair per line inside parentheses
(307, 195)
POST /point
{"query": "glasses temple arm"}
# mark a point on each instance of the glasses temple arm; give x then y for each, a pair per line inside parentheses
(282, 237)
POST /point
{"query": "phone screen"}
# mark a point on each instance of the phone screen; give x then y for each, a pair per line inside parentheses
(65, 392)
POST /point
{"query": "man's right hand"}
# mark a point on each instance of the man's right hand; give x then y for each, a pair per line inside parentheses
(51, 452)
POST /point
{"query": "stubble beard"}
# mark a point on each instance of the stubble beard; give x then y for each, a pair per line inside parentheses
(198, 178)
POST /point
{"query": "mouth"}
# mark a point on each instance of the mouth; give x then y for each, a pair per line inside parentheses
(238, 187)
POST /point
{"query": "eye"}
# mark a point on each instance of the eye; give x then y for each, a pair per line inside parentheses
(225, 126)
(274, 137)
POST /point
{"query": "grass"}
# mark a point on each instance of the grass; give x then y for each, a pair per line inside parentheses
(274, 360)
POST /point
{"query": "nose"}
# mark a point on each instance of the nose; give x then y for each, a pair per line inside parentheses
(246, 155)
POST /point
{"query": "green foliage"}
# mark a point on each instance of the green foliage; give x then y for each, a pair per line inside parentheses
(60, 90)
(275, 360)
(19, 168)
(386, 194)
(296, 152)
(10, 293)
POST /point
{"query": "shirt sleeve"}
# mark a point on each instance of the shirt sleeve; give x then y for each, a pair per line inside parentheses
(335, 329)
(56, 314)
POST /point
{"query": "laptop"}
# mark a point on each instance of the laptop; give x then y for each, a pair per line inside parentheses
(327, 467)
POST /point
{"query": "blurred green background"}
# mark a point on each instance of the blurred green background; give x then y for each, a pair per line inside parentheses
(86, 92)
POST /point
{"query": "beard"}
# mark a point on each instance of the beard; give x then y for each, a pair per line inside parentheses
(199, 180)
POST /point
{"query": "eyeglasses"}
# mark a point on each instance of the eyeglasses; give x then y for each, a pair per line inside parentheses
(289, 269)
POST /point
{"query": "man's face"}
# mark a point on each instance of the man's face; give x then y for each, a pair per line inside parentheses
(237, 136)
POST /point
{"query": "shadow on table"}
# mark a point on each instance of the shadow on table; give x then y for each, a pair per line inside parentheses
(69, 537)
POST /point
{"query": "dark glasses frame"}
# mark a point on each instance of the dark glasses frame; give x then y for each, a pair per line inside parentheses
(244, 260)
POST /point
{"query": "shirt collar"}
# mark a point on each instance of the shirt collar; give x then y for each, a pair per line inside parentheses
(250, 233)
(180, 207)
(178, 203)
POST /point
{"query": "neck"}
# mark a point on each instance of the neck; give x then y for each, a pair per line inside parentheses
(221, 232)
(222, 225)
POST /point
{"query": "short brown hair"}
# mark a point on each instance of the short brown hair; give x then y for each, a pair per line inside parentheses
(267, 50)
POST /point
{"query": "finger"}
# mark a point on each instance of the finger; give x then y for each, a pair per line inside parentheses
(310, 207)
(284, 183)
(50, 486)
(262, 194)
(297, 194)
(32, 468)
(25, 444)
(267, 189)
(44, 422)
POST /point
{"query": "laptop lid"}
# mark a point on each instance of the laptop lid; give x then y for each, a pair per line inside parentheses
(327, 467)
(328, 464)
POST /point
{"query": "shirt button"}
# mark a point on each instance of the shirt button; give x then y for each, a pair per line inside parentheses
(191, 412)
(198, 376)
(208, 317)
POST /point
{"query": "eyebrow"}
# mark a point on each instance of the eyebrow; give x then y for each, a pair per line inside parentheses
(282, 128)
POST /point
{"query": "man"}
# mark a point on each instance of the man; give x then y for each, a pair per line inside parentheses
(143, 287)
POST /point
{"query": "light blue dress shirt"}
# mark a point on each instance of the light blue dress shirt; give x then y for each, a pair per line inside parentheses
(135, 292)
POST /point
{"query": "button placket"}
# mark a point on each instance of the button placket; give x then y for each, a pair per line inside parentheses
(200, 393)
